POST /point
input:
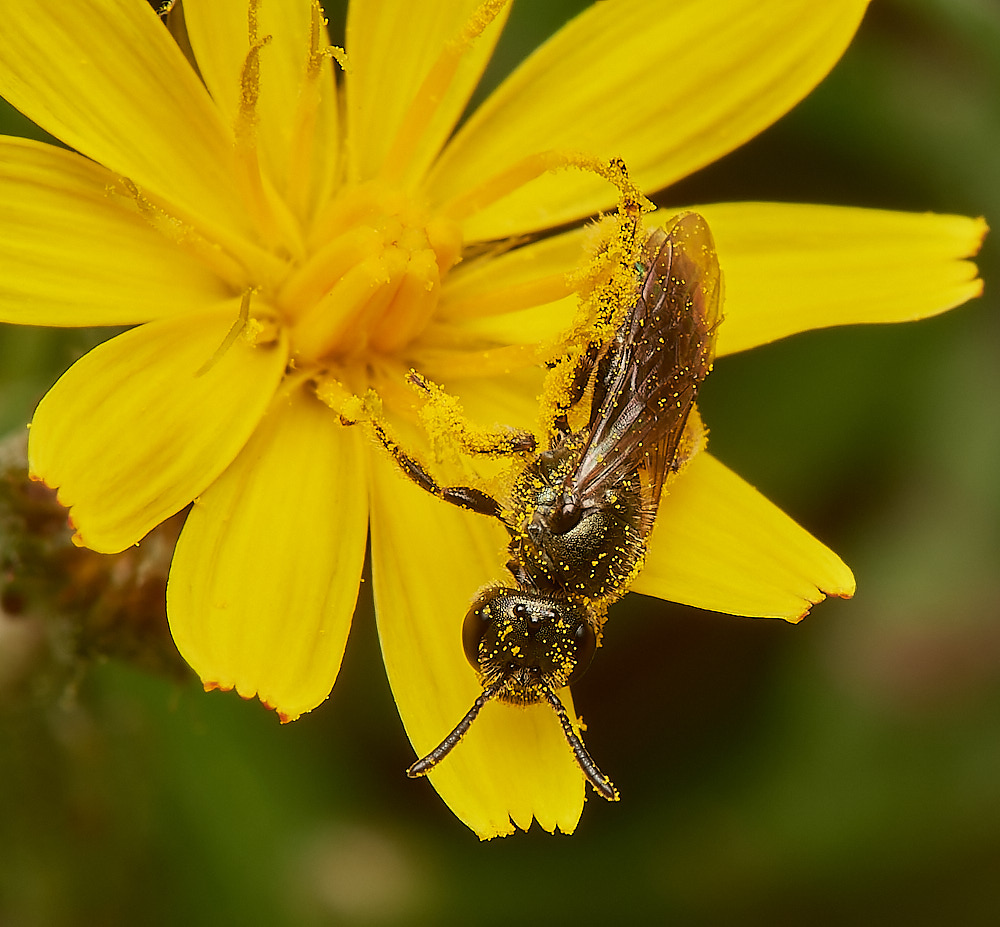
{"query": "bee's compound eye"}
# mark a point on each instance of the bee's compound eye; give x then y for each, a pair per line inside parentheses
(586, 646)
(481, 615)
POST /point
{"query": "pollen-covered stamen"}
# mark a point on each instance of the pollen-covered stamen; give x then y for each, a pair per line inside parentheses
(433, 90)
(230, 256)
(502, 300)
(368, 211)
(338, 325)
(374, 284)
(412, 306)
(247, 160)
(301, 162)
(278, 230)
(533, 166)
(326, 267)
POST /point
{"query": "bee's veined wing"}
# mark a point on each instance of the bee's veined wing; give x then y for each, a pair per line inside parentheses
(656, 362)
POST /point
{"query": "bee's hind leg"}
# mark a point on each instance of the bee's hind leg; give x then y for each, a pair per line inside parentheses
(588, 367)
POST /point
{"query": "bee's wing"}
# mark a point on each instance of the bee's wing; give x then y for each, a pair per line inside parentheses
(659, 357)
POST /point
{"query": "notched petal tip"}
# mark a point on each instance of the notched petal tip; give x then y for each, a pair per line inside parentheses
(130, 434)
(264, 603)
(838, 265)
(844, 593)
(982, 230)
(211, 685)
(728, 549)
(76, 537)
(284, 717)
(844, 588)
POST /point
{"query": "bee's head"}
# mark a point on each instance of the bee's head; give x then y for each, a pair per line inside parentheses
(521, 640)
(525, 647)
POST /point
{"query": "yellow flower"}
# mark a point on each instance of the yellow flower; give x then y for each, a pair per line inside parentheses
(273, 240)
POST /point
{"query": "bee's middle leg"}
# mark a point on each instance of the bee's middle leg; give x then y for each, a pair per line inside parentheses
(465, 497)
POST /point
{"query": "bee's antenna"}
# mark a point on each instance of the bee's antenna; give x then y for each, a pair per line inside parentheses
(601, 783)
(427, 763)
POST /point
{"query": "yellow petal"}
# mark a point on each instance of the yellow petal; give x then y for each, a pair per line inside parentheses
(524, 297)
(296, 129)
(532, 275)
(392, 46)
(668, 87)
(106, 78)
(719, 544)
(790, 267)
(134, 430)
(428, 562)
(265, 577)
(508, 400)
(70, 254)
(497, 345)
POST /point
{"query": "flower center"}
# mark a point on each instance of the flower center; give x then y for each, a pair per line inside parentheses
(373, 276)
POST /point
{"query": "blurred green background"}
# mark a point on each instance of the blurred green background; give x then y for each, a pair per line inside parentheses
(843, 771)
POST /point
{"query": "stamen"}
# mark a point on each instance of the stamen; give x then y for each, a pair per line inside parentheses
(301, 166)
(237, 329)
(326, 266)
(348, 405)
(247, 160)
(506, 299)
(460, 363)
(339, 55)
(279, 230)
(445, 239)
(413, 305)
(365, 204)
(433, 90)
(532, 167)
(229, 257)
(340, 322)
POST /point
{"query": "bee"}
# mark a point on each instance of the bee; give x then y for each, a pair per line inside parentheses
(581, 511)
